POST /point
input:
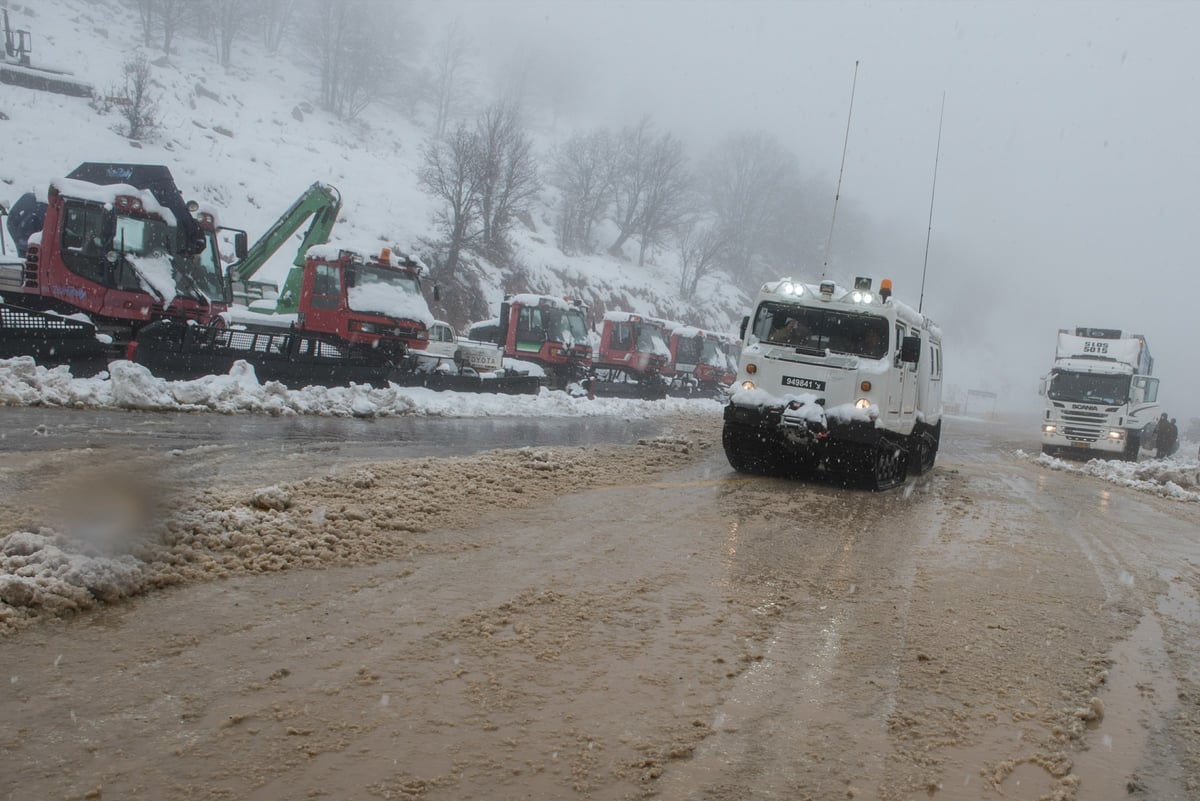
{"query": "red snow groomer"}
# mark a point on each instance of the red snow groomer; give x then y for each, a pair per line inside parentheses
(632, 358)
(117, 243)
(544, 330)
(699, 362)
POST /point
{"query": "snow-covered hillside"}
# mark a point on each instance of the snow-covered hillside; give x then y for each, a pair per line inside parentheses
(249, 139)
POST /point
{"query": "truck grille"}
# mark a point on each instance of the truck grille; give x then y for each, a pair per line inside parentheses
(1081, 426)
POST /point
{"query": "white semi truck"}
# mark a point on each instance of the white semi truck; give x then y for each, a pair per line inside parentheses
(847, 381)
(1099, 394)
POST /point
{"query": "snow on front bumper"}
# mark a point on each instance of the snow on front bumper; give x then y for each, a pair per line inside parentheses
(802, 419)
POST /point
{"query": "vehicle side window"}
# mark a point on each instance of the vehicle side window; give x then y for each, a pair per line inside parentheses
(530, 329)
(622, 336)
(83, 245)
(327, 288)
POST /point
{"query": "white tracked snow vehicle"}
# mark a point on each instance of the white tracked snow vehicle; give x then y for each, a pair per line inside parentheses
(847, 381)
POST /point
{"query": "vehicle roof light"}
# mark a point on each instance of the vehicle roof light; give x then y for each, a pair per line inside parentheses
(827, 288)
(885, 289)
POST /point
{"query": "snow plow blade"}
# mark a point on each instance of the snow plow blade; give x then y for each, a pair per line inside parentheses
(51, 339)
(648, 390)
(181, 352)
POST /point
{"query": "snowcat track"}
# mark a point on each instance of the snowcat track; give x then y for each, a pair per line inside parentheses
(295, 359)
(51, 339)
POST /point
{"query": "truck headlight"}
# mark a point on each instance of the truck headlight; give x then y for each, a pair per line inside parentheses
(747, 385)
(862, 403)
(1116, 434)
(363, 327)
(1049, 428)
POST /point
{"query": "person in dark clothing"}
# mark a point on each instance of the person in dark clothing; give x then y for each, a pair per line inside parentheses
(1173, 437)
(1161, 435)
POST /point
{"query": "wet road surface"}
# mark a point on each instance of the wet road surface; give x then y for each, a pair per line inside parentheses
(993, 630)
(202, 447)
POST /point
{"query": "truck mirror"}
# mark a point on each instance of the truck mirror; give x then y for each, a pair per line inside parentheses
(239, 245)
(351, 278)
(910, 350)
(745, 322)
(437, 294)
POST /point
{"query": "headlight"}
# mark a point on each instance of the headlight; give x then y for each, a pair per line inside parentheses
(1049, 428)
(862, 403)
(363, 327)
(787, 288)
(1116, 434)
(747, 385)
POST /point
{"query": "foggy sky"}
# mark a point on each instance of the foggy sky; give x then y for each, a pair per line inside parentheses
(1068, 176)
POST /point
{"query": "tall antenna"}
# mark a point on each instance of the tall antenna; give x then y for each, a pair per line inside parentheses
(838, 192)
(932, 194)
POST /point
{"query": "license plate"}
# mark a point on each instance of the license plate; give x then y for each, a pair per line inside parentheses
(1081, 445)
(803, 383)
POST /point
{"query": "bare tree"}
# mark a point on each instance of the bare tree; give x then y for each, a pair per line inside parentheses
(509, 175)
(452, 172)
(228, 17)
(746, 182)
(629, 184)
(650, 185)
(665, 198)
(172, 15)
(583, 171)
(277, 18)
(702, 247)
(138, 107)
(445, 84)
(146, 15)
(357, 54)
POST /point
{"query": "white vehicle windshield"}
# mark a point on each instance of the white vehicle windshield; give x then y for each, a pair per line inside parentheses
(1108, 390)
(817, 330)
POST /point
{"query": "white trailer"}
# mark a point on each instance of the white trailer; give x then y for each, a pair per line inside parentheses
(841, 380)
(1099, 394)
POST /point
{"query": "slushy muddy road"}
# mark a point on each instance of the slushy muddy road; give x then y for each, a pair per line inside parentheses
(625, 622)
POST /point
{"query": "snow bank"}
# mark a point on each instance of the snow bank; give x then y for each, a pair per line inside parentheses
(1175, 477)
(131, 386)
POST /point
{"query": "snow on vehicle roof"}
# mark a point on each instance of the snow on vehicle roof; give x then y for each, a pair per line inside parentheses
(332, 251)
(624, 316)
(529, 299)
(108, 194)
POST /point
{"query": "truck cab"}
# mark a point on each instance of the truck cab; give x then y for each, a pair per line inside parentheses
(548, 331)
(369, 299)
(1100, 396)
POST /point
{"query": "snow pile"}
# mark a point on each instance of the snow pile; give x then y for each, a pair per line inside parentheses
(131, 386)
(1173, 477)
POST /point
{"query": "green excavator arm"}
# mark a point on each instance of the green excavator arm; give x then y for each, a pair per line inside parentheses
(322, 203)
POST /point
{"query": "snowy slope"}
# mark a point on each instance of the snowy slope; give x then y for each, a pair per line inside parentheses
(248, 140)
